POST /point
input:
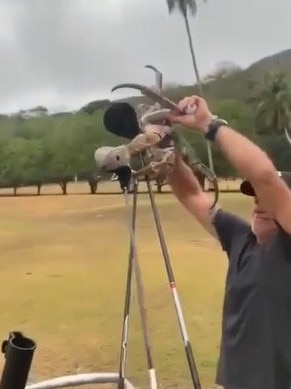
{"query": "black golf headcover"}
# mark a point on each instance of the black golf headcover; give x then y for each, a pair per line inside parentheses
(124, 176)
(120, 119)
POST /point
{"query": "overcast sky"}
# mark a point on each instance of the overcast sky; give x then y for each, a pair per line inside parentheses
(65, 53)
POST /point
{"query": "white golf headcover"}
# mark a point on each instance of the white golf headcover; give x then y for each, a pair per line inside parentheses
(111, 158)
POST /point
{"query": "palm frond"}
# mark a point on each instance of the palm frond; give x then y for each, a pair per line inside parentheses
(171, 5)
(191, 6)
(274, 102)
(183, 6)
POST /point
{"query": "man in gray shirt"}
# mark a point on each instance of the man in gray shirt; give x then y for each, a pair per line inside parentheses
(255, 350)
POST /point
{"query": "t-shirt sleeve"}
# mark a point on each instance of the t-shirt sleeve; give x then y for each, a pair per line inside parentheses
(285, 242)
(229, 228)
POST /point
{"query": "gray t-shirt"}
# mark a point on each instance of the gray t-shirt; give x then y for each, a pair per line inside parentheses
(256, 322)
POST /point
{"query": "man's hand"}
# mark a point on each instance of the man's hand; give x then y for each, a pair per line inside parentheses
(196, 115)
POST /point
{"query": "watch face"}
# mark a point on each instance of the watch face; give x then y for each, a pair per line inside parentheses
(213, 127)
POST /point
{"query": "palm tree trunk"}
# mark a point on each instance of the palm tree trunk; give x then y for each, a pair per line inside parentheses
(193, 54)
(210, 157)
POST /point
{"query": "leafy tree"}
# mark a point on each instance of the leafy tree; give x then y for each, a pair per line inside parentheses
(58, 148)
(14, 163)
(273, 104)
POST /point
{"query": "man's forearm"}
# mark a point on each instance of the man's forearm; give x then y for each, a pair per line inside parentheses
(182, 180)
(186, 188)
(246, 157)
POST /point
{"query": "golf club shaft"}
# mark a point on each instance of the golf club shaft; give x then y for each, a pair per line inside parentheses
(125, 328)
(133, 262)
(142, 307)
(143, 317)
(172, 282)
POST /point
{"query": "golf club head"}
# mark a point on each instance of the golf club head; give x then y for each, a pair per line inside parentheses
(148, 92)
(159, 77)
(110, 159)
(121, 119)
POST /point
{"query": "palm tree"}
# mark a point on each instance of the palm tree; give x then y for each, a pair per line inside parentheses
(185, 6)
(273, 104)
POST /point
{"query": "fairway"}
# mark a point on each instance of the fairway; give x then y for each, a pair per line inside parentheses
(63, 271)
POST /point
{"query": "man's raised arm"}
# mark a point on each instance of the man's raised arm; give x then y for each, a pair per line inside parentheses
(186, 188)
(248, 159)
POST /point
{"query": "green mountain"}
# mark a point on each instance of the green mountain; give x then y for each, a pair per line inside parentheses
(237, 85)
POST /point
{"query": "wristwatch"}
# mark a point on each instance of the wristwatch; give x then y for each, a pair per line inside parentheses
(213, 127)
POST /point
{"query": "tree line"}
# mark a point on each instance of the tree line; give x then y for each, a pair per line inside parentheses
(60, 148)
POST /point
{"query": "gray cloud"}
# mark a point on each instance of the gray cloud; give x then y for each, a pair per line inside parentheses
(68, 52)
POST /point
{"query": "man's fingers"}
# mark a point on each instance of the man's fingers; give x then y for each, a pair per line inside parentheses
(173, 118)
(183, 104)
(189, 102)
(189, 106)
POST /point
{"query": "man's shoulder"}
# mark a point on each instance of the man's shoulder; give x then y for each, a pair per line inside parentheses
(230, 223)
(222, 215)
(232, 230)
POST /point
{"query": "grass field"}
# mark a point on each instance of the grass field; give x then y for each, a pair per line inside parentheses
(63, 269)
